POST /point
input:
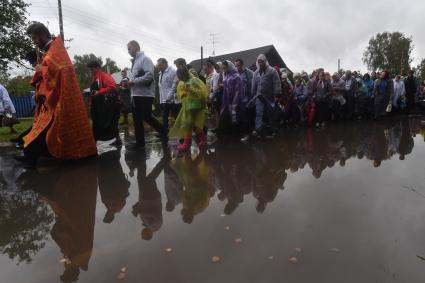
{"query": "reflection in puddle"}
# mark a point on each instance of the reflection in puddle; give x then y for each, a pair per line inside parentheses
(63, 200)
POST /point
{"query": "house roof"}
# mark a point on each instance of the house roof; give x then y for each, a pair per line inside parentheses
(249, 57)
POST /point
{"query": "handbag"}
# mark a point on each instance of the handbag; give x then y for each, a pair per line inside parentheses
(112, 98)
(389, 108)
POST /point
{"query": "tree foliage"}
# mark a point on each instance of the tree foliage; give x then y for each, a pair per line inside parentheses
(83, 73)
(19, 86)
(14, 43)
(421, 69)
(25, 223)
(389, 51)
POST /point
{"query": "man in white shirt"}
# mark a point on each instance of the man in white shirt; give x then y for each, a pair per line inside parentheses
(6, 107)
(167, 91)
(212, 81)
(399, 95)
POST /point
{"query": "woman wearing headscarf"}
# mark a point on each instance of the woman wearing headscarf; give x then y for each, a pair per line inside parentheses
(300, 98)
(232, 111)
(105, 105)
(266, 87)
(193, 94)
(382, 92)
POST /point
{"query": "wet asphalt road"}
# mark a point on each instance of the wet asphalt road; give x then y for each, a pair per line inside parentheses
(348, 202)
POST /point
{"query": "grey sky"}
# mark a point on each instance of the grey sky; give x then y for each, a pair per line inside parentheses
(307, 34)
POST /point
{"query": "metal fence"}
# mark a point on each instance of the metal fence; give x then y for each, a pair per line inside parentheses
(24, 106)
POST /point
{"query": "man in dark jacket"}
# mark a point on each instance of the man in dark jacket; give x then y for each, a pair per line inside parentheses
(411, 85)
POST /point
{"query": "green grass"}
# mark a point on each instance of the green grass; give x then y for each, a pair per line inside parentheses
(5, 134)
(24, 124)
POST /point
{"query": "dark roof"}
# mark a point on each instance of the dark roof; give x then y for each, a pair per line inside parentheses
(249, 57)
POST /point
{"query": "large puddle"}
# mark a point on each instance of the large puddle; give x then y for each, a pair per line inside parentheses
(343, 204)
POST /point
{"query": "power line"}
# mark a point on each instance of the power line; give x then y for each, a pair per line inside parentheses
(87, 21)
(151, 38)
(76, 18)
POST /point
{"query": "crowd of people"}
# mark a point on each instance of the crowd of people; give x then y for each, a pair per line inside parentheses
(225, 98)
(255, 103)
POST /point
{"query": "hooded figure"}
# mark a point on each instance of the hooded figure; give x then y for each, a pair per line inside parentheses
(232, 109)
(266, 86)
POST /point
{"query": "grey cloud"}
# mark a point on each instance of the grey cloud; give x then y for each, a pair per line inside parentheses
(308, 34)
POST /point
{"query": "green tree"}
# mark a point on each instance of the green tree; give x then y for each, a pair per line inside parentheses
(14, 43)
(19, 86)
(83, 73)
(25, 223)
(110, 66)
(389, 51)
(421, 69)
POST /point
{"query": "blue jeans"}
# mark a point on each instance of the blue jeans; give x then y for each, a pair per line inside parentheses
(262, 106)
(259, 112)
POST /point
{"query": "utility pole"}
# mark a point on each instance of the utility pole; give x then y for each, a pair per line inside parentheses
(61, 20)
(202, 58)
(339, 65)
(213, 36)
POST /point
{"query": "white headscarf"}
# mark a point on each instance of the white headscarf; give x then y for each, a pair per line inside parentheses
(263, 58)
(231, 66)
(220, 66)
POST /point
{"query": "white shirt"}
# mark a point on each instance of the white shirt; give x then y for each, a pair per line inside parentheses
(167, 84)
(6, 105)
(212, 83)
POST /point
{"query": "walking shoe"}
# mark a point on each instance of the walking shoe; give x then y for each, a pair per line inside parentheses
(254, 133)
(185, 146)
(116, 143)
(245, 138)
(26, 163)
(164, 137)
(135, 146)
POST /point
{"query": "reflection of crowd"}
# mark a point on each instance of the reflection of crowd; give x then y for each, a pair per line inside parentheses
(229, 171)
(261, 169)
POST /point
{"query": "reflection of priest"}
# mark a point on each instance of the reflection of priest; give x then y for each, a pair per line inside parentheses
(113, 184)
(73, 200)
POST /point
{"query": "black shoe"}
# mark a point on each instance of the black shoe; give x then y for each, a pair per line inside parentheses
(164, 137)
(25, 162)
(15, 140)
(135, 146)
(116, 143)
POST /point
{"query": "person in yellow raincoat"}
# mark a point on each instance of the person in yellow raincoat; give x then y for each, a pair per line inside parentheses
(193, 94)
